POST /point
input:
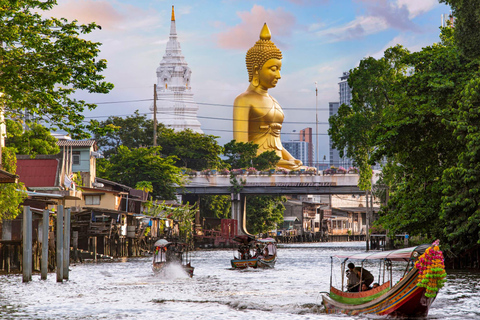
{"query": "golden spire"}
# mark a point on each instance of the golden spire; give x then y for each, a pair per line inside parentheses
(265, 33)
(173, 14)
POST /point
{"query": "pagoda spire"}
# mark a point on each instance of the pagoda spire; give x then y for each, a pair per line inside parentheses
(173, 28)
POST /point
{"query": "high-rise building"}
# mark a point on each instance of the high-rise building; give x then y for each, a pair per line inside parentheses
(301, 148)
(176, 108)
(345, 95)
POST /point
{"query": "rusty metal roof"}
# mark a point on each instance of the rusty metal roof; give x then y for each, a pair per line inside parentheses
(7, 177)
(37, 172)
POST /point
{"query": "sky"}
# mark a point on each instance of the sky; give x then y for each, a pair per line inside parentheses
(319, 40)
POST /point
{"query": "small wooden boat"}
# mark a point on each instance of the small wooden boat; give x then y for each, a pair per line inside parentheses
(171, 253)
(412, 295)
(260, 253)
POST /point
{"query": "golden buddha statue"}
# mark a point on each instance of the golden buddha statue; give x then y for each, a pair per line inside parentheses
(257, 116)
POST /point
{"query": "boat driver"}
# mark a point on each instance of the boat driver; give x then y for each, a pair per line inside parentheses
(365, 275)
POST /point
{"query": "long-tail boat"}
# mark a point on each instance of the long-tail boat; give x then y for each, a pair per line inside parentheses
(171, 253)
(260, 253)
(411, 296)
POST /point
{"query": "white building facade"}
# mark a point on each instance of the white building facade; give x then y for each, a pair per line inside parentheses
(176, 108)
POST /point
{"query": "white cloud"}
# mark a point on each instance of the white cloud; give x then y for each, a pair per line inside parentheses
(417, 7)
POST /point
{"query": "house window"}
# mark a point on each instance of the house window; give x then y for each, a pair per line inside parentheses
(76, 157)
(92, 200)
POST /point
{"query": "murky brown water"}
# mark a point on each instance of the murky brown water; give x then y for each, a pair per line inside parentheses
(129, 290)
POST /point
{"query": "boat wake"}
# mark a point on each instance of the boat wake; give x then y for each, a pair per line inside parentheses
(304, 309)
(172, 271)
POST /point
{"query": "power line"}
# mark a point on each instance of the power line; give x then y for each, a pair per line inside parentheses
(201, 117)
(199, 103)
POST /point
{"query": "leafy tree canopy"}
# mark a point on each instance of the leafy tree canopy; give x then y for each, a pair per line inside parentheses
(418, 113)
(215, 206)
(11, 194)
(44, 61)
(35, 140)
(132, 132)
(131, 166)
(467, 32)
(264, 213)
(244, 155)
(192, 150)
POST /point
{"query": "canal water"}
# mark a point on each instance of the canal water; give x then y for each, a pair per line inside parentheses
(128, 289)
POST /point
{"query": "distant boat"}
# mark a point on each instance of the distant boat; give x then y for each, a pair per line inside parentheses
(166, 253)
(260, 253)
(412, 295)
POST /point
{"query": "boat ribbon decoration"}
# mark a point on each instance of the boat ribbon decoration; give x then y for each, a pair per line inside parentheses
(431, 270)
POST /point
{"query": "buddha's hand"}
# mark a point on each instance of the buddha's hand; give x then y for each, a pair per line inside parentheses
(289, 164)
(298, 162)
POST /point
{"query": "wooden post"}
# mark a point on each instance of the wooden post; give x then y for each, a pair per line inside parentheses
(45, 229)
(59, 245)
(66, 244)
(94, 244)
(75, 245)
(367, 222)
(27, 244)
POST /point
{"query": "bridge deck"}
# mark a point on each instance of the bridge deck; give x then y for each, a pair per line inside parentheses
(274, 184)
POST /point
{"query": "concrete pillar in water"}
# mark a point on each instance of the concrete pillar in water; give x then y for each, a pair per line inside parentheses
(60, 244)
(27, 244)
(45, 225)
(66, 244)
(239, 204)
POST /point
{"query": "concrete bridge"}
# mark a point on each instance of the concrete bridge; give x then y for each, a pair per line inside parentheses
(274, 184)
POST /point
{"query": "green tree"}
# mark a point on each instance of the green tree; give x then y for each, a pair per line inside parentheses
(467, 32)
(264, 213)
(44, 61)
(132, 132)
(35, 140)
(130, 166)
(420, 111)
(244, 155)
(11, 194)
(354, 127)
(193, 150)
(215, 206)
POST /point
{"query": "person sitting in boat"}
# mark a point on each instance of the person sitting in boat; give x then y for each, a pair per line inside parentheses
(375, 285)
(258, 251)
(363, 274)
(352, 281)
(266, 251)
(365, 287)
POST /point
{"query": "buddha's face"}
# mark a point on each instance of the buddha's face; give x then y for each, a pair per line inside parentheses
(269, 74)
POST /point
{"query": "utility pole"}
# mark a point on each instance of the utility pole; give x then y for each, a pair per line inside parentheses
(316, 125)
(155, 115)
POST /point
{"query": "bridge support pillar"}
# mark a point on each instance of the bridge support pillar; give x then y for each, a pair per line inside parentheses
(239, 206)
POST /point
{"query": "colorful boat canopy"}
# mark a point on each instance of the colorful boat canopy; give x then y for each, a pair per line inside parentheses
(404, 254)
(161, 243)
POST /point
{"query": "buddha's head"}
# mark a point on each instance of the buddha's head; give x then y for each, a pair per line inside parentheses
(261, 52)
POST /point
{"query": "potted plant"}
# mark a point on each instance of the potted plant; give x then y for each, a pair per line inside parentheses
(224, 172)
(352, 170)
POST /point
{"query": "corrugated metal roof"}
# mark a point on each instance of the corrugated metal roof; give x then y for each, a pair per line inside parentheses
(76, 143)
(7, 177)
(37, 172)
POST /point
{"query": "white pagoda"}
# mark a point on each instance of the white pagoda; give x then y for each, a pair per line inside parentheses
(176, 108)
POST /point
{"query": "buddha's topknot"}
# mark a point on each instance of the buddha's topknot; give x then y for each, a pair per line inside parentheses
(263, 50)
